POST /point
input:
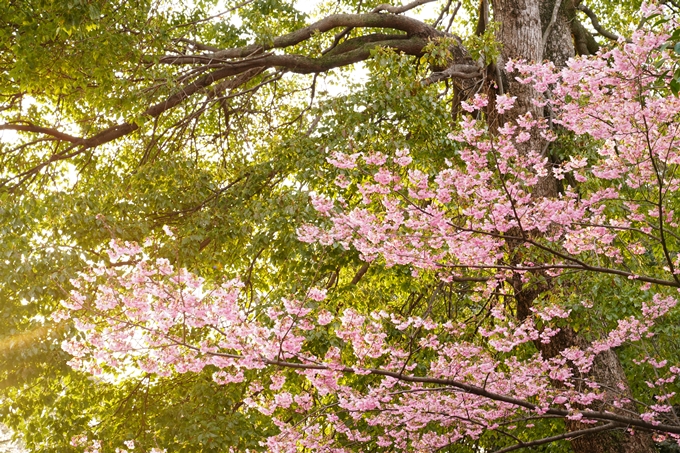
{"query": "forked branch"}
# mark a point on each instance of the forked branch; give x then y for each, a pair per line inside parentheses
(236, 66)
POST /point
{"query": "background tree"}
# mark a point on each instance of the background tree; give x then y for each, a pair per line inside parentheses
(217, 121)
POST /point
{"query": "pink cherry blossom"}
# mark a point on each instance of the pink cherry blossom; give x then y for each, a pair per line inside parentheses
(419, 383)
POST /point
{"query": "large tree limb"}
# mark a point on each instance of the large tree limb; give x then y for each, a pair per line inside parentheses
(457, 71)
(238, 61)
(355, 43)
(293, 63)
(412, 27)
(584, 42)
(377, 9)
(28, 127)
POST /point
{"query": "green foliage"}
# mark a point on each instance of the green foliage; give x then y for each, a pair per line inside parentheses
(230, 171)
(233, 188)
(485, 48)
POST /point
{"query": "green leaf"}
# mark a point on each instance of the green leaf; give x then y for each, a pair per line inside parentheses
(675, 86)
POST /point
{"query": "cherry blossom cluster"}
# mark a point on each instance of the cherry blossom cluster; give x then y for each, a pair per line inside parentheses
(157, 319)
(469, 218)
(421, 383)
(463, 215)
(614, 201)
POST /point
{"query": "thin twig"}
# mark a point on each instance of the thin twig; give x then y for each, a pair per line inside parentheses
(553, 19)
(443, 12)
(453, 16)
(214, 16)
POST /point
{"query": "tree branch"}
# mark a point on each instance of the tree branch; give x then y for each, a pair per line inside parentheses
(355, 43)
(596, 24)
(234, 62)
(569, 435)
(553, 19)
(617, 420)
(28, 127)
(400, 9)
(584, 42)
(453, 16)
(377, 9)
(360, 274)
(458, 71)
(413, 27)
(197, 45)
(443, 12)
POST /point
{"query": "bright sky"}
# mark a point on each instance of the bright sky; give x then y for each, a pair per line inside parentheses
(425, 11)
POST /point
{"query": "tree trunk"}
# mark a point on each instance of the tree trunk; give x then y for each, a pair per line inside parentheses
(522, 26)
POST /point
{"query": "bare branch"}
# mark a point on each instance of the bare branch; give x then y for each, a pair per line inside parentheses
(400, 9)
(236, 82)
(413, 27)
(453, 16)
(575, 267)
(28, 127)
(360, 273)
(596, 24)
(443, 12)
(660, 204)
(670, 2)
(458, 71)
(214, 16)
(197, 45)
(553, 19)
(355, 43)
(569, 435)
(377, 9)
(584, 42)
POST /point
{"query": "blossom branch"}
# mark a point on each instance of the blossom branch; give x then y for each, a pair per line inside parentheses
(659, 203)
(569, 435)
(466, 388)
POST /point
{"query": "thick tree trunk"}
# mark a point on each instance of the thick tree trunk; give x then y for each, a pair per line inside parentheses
(521, 36)
(523, 24)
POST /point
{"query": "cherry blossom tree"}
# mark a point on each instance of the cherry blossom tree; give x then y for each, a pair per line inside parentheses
(516, 232)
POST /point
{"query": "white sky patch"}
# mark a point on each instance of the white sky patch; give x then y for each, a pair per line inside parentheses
(307, 6)
(427, 11)
(9, 137)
